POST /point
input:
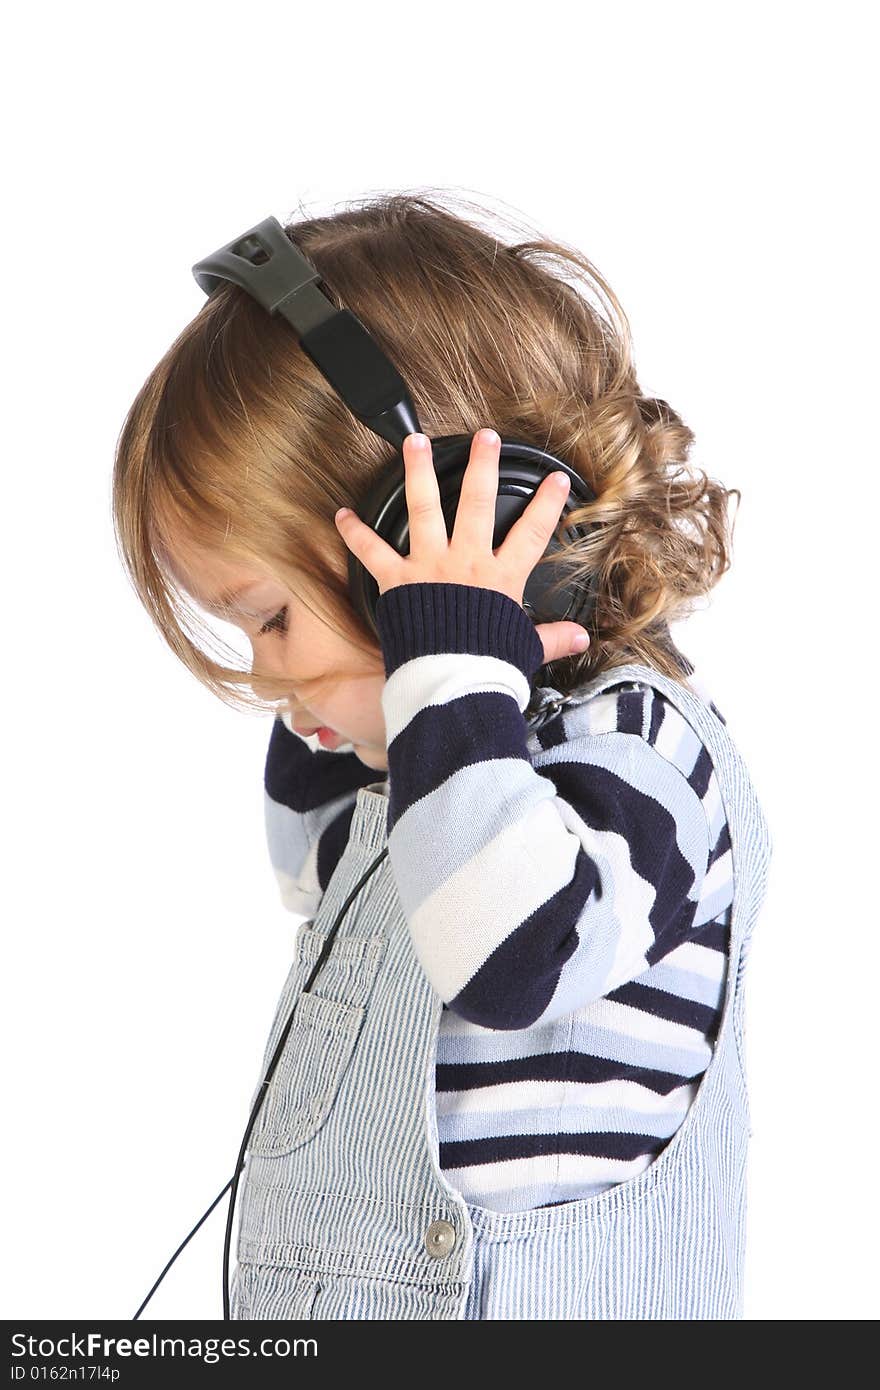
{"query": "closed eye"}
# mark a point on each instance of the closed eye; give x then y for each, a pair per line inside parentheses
(276, 624)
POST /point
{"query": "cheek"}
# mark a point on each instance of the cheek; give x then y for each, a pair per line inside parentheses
(271, 654)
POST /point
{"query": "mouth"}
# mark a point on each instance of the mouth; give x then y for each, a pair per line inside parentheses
(327, 737)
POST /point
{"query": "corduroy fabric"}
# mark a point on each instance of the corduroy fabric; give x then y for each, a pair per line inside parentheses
(342, 1180)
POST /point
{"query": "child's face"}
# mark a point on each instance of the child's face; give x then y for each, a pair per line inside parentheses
(308, 651)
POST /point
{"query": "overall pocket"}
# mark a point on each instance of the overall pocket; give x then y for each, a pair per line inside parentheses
(326, 1024)
(276, 1293)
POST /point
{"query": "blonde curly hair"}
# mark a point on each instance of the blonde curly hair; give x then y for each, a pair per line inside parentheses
(237, 441)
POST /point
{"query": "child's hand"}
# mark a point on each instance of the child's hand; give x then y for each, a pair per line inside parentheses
(468, 557)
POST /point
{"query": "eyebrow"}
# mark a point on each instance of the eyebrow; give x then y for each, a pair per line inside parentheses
(223, 602)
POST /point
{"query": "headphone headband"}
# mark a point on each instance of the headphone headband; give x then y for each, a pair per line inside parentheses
(267, 264)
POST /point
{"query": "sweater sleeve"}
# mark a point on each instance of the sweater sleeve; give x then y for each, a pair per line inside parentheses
(528, 894)
(309, 800)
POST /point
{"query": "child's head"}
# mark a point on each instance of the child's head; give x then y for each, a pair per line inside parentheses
(237, 452)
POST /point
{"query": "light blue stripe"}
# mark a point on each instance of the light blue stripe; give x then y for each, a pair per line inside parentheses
(713, 904)
(513, 1045)
(686, 748)
(684, 984)
(567, 1119)
(484, 799)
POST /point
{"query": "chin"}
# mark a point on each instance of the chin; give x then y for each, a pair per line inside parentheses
(372, 757)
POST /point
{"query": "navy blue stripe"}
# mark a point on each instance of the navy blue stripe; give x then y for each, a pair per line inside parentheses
(295, 776)
(333, 842)
(630, 711)
(606, 801)
(701, 772)
(678, 929)
(551, 734)
(722, 845)
(516, 983)
(715, 935)
(658, 713)
(661, 1004)
(441, 740)
(464, 1153)
(555, 1066)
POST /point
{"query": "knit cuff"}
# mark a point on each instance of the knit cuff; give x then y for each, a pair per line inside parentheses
(429, 619)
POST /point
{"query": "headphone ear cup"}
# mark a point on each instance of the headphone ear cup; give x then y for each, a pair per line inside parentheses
(522, 468)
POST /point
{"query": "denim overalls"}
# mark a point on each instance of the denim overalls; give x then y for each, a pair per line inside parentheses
(344, 1210)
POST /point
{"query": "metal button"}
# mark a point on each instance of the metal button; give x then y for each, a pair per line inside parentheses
(440, 1238)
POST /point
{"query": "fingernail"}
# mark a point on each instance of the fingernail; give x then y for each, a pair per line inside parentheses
(581, 641)
(418, 441)
(489, 437)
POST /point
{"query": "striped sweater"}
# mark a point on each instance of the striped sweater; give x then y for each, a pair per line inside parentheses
(568, 890)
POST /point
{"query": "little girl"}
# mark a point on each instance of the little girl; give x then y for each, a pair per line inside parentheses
(516, 1088)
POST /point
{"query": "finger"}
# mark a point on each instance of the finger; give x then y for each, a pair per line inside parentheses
(374, 553)
(427, 527)
(474, 528)
(561, 639)
(527, 539)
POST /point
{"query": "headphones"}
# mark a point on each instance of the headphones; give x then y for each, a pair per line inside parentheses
(266, 263)
(272, 269)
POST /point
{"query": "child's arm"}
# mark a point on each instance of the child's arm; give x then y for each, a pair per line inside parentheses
(309, 800)
(528, 893)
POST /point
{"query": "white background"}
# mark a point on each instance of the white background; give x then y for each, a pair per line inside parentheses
(718, 166)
